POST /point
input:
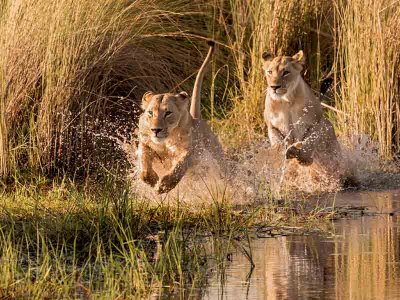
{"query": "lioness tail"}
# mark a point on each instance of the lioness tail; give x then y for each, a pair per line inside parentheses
(195, 103)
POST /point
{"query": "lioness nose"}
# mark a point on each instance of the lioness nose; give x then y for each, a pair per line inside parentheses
(275, 87)
(156, 130)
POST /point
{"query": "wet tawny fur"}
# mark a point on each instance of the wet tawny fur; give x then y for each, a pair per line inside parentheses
(172, 132)
(294, 116)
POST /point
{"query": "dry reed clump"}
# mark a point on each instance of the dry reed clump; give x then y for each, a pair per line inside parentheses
(367, 57)
(71, 68)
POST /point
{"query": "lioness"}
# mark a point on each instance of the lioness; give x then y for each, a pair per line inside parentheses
(173, 135)
(294, 116)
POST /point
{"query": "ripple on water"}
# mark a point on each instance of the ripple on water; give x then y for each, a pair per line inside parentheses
(360, 260)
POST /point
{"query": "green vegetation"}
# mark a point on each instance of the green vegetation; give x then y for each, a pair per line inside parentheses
(59, 240)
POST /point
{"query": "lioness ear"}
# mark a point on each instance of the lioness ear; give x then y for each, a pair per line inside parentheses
(146, 99)
(182, 95)
(266, 56)
(182, 98)
(299, 57)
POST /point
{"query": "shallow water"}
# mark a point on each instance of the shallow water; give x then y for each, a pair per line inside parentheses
(359, 260)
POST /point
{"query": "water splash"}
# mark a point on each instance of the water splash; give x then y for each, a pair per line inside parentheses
(260, 172)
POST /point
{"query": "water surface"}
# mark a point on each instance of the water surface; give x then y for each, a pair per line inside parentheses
(359, 260)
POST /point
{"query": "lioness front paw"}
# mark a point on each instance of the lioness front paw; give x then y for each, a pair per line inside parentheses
(166, 184)
(293, 151)
(150, 177)
(305, 160)
(296, 151)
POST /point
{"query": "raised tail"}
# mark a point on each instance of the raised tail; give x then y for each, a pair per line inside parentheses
(195, 103)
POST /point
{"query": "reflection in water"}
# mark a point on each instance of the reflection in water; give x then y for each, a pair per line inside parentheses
(359, 261)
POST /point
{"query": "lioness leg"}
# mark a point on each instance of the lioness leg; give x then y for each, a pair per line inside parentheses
(170, 180)
(213, 145)
(274, 135)
(320, 137)
(147, 174)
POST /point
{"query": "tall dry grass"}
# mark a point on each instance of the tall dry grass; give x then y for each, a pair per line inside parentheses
(367, 57)
(71, 72)
(67, 64)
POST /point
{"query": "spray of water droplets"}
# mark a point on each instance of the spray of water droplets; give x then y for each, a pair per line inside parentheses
(255, 174)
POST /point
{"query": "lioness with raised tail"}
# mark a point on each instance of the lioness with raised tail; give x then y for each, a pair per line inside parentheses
(294, 116)
(173, 133)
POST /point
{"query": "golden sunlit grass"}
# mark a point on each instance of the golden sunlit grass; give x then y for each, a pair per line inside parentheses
(367, 57)
(64, 65)
(64, 61)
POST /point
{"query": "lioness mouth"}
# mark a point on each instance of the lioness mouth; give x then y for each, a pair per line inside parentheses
(158, 140)
(280, 91)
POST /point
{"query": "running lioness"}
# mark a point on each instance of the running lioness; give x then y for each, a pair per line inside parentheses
(294, 116)
(173, 133)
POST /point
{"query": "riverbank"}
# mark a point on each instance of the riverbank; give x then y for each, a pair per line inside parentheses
(62, 240)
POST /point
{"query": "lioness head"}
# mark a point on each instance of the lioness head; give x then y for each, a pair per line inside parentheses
(162, 113)
(282, 73)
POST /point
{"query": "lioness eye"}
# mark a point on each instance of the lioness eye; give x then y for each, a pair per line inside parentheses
(285, 73)
(167, 113)
(269, 72)
(150, 113)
